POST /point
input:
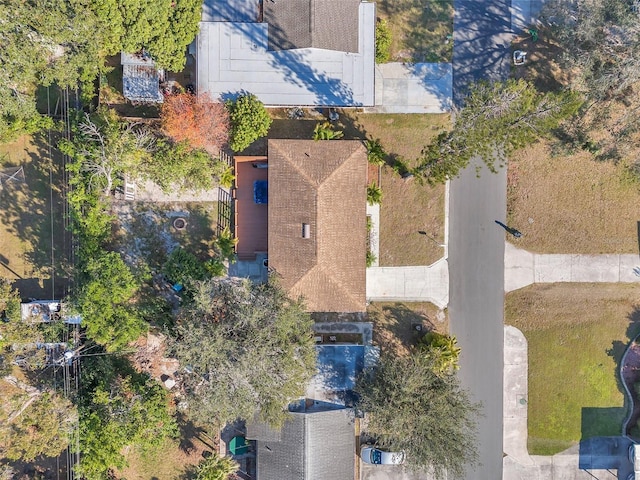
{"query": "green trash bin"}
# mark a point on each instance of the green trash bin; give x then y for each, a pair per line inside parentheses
(238, 445)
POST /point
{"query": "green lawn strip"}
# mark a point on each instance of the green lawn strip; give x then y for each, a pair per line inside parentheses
(421, 29)
(576, 335)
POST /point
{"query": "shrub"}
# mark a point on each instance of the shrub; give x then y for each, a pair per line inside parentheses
(249, 121)
(371, 258)
(183, 266)
(383, 41)
(225, 245)
(374, 194)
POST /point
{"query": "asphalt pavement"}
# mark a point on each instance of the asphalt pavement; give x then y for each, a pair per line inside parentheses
(481, 51)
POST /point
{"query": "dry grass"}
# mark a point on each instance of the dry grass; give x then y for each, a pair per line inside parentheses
(571, 204)
(577, 334)
(146, 235)
(394, 323)
(172, 461)
(33, 239)
(407, 206)
(420, 29)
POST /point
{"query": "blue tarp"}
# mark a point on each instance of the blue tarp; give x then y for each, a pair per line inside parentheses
(260, 191)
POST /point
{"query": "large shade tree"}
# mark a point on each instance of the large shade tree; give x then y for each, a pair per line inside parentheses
(412, 406)
(244, 350)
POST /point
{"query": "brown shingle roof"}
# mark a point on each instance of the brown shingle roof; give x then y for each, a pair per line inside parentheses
(322, 184)
(327, 24)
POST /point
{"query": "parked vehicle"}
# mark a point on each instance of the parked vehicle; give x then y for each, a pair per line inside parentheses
(634, 458)
(375, 456)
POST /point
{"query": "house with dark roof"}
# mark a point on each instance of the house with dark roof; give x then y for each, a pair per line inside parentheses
(306, 209)
(313, 444)
(288, 52)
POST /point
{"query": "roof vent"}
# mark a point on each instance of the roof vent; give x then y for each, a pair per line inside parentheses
(306, 230)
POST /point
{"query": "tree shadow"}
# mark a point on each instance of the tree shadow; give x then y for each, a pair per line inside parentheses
(398, 328)
(34, 214)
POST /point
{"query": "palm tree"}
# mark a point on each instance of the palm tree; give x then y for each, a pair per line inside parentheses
(374, 193)
(375, 152)
(444, 349)
(216, 467)
(326, 131)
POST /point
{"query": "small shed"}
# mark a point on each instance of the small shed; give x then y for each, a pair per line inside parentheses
(140, 78)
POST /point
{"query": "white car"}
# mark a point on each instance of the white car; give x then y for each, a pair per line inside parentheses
(375, 456)
(634, 458)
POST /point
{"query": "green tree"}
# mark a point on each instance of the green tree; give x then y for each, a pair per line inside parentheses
(443, 349)
(245, 350)
(176, 166)
(496, 120)
(41, 44)
(9, 301)
(225, 244)
(105, 302)
(216, 467)
(42, 428)
(412, 408)
(249, 121)
(120, 408)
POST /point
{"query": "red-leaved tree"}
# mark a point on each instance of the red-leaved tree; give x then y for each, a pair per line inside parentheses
(201, 121)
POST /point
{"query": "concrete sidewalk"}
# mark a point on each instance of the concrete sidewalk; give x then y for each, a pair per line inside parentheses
(523, 268)
(410, 284)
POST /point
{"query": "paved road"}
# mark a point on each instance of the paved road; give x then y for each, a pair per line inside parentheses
(476, 244)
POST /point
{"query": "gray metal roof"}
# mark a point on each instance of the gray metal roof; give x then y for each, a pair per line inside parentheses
(327, 24)
(235, 56)
(313, 445)
(140, 78)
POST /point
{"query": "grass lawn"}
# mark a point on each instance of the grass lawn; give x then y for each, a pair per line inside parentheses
(421, 29)
(170, 462)
(577, 334)
(33, 239)
(407, 207)
(394, 323)
(571, 204)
